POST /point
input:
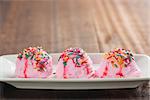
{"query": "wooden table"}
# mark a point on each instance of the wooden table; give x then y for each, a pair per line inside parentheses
(94, 25)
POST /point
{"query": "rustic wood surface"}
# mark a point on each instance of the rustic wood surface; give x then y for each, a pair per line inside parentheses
(94, 25)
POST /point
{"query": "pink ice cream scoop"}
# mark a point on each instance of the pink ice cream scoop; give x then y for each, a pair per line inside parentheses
(33, 62)
(74, 63)
(118, 63)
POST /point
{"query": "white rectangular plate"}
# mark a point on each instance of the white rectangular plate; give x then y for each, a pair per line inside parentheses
(143, 62)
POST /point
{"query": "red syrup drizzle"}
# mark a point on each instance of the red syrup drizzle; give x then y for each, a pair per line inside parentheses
(87, 70)
(120, 72)
(25, 69)
(105, 72)
(65, 76)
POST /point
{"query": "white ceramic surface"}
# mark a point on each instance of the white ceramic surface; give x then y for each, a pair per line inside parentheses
(143, 62)
(7, 68)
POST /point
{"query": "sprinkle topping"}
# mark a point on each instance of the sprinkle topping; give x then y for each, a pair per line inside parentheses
(37, 54)
(77, 55)
(119, 57)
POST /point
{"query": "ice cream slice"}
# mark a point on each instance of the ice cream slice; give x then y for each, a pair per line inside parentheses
(118, 63)
(33, 62)
(74, 63)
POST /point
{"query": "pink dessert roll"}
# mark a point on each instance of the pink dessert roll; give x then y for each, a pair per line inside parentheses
(33, 62)
(74, 63)
(118, 63)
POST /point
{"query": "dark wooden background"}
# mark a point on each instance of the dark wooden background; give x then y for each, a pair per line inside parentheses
(94, 25)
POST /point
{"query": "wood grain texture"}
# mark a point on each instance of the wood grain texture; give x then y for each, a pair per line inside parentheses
(94, 25)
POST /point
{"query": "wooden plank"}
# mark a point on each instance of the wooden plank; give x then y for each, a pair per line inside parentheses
(114, 14)
(140, 23)
(74, 27)
(52, 24)
(7, 29)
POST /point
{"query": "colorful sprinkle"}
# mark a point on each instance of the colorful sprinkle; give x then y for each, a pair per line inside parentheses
(119, 57)
(35, 53)
(77, 55)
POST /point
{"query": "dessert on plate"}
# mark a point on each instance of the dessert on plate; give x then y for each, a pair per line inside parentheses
(33, 62)
(74, 63)
(118, 63)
